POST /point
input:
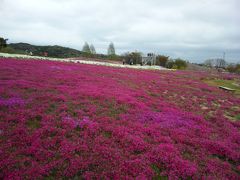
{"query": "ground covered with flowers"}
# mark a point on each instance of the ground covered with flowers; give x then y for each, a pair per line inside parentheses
(66, 120)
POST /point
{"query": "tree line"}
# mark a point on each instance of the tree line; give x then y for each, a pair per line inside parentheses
(220, 63)
(90, 51)
(161, 60)
(129, 57)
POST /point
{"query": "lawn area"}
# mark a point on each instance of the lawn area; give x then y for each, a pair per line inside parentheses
(61, 120)
(233, 84)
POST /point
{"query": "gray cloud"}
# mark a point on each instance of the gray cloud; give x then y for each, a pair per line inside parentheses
(195, 30)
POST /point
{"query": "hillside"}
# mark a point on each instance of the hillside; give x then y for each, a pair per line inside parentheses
(62, 120)
(52, 51)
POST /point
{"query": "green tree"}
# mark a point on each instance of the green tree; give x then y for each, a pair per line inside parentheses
(86, 48)
(170, 64)
(180, 64)
(135, 57)
(3, 43)
(111, 49)
(162, 60)
(92, 49)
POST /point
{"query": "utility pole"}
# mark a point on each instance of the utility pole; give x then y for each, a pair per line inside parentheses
(224, 54)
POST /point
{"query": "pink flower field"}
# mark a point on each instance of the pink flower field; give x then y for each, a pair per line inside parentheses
(73, 121)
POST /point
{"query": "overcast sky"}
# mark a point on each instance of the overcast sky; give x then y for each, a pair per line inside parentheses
(192, 29)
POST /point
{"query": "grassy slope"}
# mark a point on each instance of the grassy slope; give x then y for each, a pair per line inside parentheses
(233, 84)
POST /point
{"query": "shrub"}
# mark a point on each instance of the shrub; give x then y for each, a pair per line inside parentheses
(176, 64)
(136, 57)
(113, 57)
(234, 68)
(8, 50)
(170, 64)
(3, 43)
(162, 60)
(180, 64)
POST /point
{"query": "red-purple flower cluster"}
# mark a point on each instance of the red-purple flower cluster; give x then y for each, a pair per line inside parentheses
(66, 120)
(11, 102)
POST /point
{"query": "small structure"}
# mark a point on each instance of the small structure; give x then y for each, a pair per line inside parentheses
(151, 58)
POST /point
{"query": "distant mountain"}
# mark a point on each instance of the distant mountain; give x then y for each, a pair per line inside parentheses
(50, 51)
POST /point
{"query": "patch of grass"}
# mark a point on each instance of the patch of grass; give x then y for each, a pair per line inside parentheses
(51, 108)
(52, 175)
(237, 117)
(107, 134)
(35, 122)
(233, 84)
(110, 108)
(158, 173)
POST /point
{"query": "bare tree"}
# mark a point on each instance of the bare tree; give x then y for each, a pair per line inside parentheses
(209, 62)
(220, 63)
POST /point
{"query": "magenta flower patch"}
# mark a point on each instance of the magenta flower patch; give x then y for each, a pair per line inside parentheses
(11, 102)
(74, 121)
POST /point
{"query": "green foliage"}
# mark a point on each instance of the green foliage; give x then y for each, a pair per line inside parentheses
(9, 50)
(237, 117)
(176, 64)
(111, 49)
(86, 48)
(87, 54)
(135, 57)
(113, 57)
(170, 64)
(92, 49)
(35, 122)
(52, 51)
(3, 43)
(162, 60)
(180, 64)
(157, 172)
(234, 68)
(232, 84)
